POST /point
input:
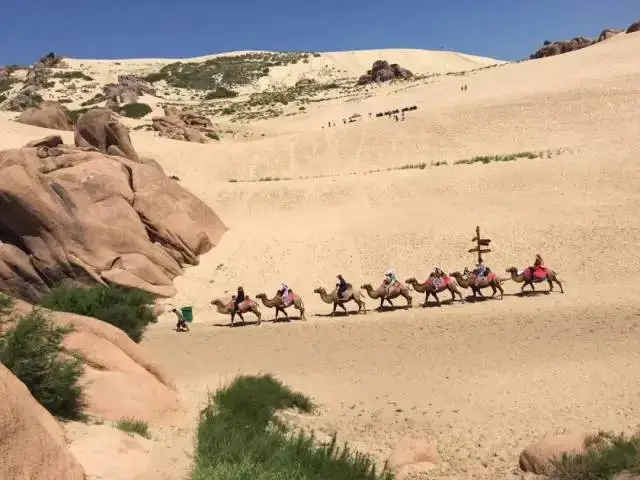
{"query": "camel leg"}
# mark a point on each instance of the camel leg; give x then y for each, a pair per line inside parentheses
(343, 307)
(493, 287)
(436, 297)
(233, 314)
(276, 317)
(501, 290)
(257, 313)
(363, 306)
(334, 309)
(426, 298)
(409, 300)
(389, 301)
(459, 294)
(555, 279)
(550, 283)
(285, 312)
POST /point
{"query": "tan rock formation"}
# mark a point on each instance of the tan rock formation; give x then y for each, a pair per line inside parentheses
(183, 125)
(535, 458)
(76, 213)
(32, 444)
(48, 115)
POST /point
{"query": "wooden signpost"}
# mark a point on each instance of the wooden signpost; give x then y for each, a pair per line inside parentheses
(480, 242)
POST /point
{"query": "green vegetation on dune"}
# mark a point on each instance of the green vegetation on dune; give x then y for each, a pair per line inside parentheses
(128, 309)
(31, 348)
(226, 70)
(606, 455)
(240, 437)
(72, 75)
(7, 83)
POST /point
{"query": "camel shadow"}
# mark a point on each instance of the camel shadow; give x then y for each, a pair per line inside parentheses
(434, 304)
(530, 293)
(472, 299)
(387, 308)
(337, 314)
(236, 324)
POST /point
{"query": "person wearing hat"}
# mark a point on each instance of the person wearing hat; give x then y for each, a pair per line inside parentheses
(182, 322)
(342, 285)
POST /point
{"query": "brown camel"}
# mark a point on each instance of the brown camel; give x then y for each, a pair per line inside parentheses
(469, 281)
(247, 306)
(383, 293)
(540, 275)
(448, 283)
(278, 303)
(349, 295)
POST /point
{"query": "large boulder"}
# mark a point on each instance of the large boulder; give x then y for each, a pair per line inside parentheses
(536, 457)
(382, 71)
(120, 378)
(183, 125)
(99, 128)
(32, 443)
(69, 213)
(48, 115)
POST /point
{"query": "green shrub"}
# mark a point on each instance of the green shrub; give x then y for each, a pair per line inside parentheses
(220, 92)
(73, 74)
(239, 437)
(213, 135)
(97, 98)
(74, 115)
(606, 454)
(126, 308)
(32, 350)
(7, 83)
(6, 306)
(154, 77)
(130, 425)
(3, 97)
(135, 110)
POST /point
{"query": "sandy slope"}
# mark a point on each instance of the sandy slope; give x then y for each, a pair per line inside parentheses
(482, 379)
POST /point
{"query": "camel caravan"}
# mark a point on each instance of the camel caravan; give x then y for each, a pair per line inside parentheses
(390, 288)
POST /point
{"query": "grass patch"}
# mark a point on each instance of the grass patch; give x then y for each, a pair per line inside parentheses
(32, 349)
(240, 437)
(7, 83)
(220, 92)
(97, 98)
(213, 135)
(126, 308)
(71, 75)
(606, 455)
(500, 158)
(130, 426)
(135, 110)
(74, 115)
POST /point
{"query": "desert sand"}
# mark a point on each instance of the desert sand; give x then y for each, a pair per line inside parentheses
(482, 379)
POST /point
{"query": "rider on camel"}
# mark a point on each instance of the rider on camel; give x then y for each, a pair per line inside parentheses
(342, 285)
(437, 276)
(481, 270)
(284, 292)
(537, 264)
(238, 298)
(390, 279)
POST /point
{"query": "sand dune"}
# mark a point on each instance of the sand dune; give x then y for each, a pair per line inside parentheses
(483, 378)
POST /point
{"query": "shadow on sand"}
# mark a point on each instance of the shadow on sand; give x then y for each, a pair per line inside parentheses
(339, 313)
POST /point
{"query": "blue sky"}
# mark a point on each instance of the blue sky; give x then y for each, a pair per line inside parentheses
(504, 29)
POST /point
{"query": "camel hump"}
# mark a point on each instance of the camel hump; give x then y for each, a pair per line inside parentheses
(539, 273)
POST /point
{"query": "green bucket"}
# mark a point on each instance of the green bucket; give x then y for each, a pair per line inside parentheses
(187, 313)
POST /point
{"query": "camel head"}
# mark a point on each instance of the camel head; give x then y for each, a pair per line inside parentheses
(366, 286)
(320, 290)
(512, 270)
(217, 302)
(261, 296)
(411, 281)
(456, 274)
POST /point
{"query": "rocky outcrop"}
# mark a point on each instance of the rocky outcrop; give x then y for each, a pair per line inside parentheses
(128, 89)
(51, 60)
(607, 33)
(32, 444)
(382, 71)
(183, 125)
(48, 115)
(634, 27)
(76, 213)
(99, 128)
(564, 46)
